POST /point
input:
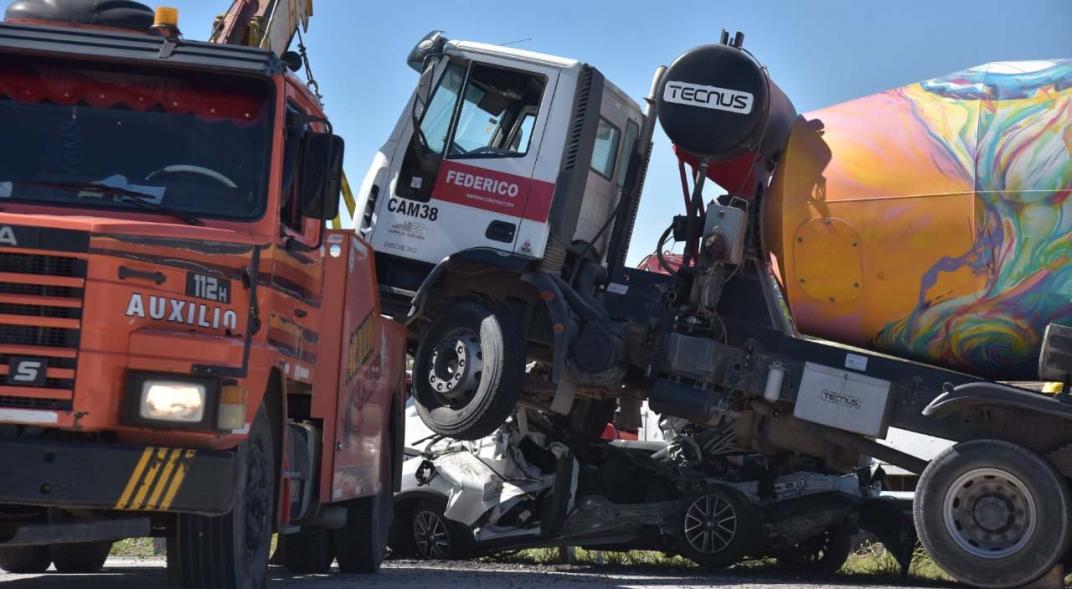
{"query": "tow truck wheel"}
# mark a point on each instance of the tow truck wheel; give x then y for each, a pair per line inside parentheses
(822, 555)
(25, 559)
(309, 551)
(716, 528)
(85, 557)
(232, 550)
(468, 370)
(993, 514)
(360, 544)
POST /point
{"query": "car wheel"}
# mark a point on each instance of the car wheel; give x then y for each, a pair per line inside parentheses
(434, 537)
(716, 527)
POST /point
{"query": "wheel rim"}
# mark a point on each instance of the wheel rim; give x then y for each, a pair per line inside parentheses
(455, 367)
(430, 535)
(990, 513)
(710, 524)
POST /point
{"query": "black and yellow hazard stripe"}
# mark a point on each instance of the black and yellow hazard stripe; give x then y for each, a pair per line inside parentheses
(156, 479)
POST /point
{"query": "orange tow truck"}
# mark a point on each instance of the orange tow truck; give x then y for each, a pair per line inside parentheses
(186, 350)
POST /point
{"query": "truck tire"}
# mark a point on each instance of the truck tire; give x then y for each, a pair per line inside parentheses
(993, 514)
(232, 550)
(434, 537)
(308, 551)
(468, 370)
(84, 557)
(716, 528)
(361, 543)
(25, 559)
(822, 555)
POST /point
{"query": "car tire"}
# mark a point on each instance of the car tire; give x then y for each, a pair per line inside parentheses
(232, 550)
(468, 370)
(993, 514)
(822, 555)
(25, 560)
(716, 527)
(434, 537)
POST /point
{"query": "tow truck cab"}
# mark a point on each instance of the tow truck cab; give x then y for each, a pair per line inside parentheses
(186, 350)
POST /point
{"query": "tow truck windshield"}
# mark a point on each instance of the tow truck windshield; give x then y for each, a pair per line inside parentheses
(186, 145)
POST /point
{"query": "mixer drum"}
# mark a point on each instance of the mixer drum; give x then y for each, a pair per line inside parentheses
(933, 221)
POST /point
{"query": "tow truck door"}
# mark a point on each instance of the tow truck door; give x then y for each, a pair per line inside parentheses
(466, 179)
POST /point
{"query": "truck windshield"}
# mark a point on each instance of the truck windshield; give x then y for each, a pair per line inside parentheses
(194, 143)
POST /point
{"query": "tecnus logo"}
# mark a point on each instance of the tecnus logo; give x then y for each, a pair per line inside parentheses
(713, 97)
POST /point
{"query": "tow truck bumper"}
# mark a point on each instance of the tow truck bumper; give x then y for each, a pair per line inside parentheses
(116, 477)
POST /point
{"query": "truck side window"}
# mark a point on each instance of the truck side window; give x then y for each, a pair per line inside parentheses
(632, 130)
(498, 113)
(605, 149)
(290, 205)
(435, 121)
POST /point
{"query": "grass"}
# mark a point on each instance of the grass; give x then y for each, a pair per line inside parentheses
(133, 548)
(870, 560)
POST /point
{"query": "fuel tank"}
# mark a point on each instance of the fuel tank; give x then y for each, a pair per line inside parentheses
(933, 221)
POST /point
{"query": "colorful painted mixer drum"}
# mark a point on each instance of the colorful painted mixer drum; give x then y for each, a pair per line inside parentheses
(933, 221)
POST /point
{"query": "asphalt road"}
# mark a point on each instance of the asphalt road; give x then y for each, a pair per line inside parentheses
(148, 573)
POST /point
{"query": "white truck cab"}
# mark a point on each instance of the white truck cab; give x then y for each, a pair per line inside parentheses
(499, 162)
(508, 184)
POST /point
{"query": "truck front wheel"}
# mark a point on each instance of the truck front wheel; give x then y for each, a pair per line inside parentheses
(993, 514)
(468, 370)
(232, 550)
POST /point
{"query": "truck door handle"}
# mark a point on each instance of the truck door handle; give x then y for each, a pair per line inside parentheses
(156, 277)
(300, 312)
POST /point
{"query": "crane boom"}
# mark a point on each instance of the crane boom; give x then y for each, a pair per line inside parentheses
(269, 24)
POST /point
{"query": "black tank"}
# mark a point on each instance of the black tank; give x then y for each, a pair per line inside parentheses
(121, 14)
(716, 101)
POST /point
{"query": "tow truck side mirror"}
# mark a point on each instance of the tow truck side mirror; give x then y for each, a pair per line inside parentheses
(321, 175)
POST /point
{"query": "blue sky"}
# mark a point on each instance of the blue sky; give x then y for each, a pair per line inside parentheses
(820, 52)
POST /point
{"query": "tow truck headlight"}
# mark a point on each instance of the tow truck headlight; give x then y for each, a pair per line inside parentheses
(165, 400)
(183, 401)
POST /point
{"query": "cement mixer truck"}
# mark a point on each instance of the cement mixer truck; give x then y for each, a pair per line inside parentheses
(888, 262)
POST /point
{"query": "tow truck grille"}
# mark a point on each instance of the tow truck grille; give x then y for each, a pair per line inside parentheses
(40, 319)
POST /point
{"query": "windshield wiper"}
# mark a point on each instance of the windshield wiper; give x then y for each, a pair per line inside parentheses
(123, 195)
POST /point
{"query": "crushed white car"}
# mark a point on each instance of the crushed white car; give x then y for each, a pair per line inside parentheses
(523, 488)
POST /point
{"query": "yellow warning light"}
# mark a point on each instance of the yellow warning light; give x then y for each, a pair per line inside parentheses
(166, 16)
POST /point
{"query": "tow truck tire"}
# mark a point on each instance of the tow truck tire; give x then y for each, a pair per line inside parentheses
(360, 544)
(308, 551)
(232, 550)
(468, 370)
(822, 555)
(993, 514)
(25, 559)
(85, 557)
(716, 528)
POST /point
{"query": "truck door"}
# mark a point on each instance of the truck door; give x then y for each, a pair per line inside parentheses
(465, 178)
